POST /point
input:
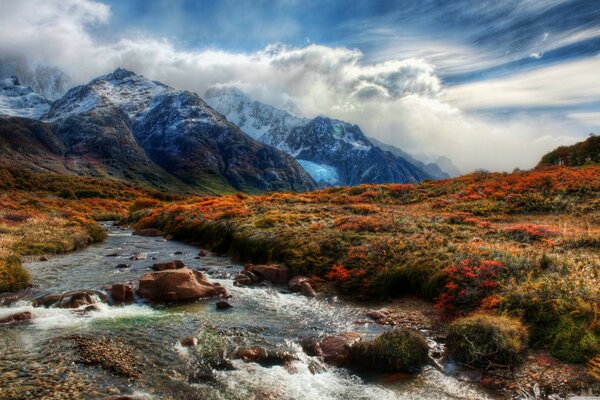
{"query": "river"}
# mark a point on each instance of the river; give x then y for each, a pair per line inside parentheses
(39, 360)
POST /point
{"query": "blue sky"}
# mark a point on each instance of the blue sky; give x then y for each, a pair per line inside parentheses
(492, 84)
(509, 35)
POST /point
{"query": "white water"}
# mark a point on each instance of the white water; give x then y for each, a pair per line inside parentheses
(270, 317)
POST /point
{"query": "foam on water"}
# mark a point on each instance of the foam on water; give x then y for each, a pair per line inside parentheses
(54, 318)
(251, 381)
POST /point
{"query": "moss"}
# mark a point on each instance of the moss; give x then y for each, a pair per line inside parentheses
(13, 276)
(572, 341)
(96, 233)
(398, 350)
(481, 340)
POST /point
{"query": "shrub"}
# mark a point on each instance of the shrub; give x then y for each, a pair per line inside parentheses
(398, 350)
(143, 203)
(13, 276)
(530, 233)
(483, 340)
(468, 283)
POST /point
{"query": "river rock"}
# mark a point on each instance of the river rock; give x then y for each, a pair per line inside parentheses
(119, 398)
(189, 342)
(223, 305)
(43, 258)
(334, 350)
(202, 253)
(177, 264)
(307, 290)
(149, 232)
(16, 318)
(263, 357)
(295, 284)
(122, 266)
(178, 285)
(122, 293)
(72, 299)
(242, 280)
(272, 272)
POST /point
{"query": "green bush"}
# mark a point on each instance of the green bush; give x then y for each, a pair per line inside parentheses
(481, 340)
(13, 276)
(398, 350)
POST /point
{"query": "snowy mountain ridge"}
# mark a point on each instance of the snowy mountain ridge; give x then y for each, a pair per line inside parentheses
(20, 101)
(334, 152)
(124, 125)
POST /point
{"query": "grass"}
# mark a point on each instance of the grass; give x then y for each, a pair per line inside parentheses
(484, 340)
(398, 350)
(524, 244)
(52, 214)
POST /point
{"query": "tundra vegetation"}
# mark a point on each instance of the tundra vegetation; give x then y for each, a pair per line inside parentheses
(521, 246)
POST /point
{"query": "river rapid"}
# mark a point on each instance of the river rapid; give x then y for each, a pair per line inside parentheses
(40, 361)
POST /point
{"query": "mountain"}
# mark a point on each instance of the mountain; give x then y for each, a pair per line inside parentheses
(126, 126)
(432, 169)
(45, 80)
(334, 152)
(587, 151)
(20, 101)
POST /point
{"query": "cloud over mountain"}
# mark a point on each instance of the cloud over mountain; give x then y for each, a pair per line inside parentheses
(401, 101)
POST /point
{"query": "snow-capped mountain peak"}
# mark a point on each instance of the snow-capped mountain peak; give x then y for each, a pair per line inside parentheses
(259, 120)
(333, 152)
(21, 101)
(122, 88)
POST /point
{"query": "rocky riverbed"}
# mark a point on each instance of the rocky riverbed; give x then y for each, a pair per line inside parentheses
(87, 345)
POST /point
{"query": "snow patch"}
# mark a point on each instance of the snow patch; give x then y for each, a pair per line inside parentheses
(21, 101)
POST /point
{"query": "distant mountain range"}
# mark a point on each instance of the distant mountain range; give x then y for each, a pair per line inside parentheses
(334, 152)
(126, 126)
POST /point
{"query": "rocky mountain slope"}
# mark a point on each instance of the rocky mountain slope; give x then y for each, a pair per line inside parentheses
(440, 168)
(45, 80)
(21, 101)
(126, 126)
(334, 152)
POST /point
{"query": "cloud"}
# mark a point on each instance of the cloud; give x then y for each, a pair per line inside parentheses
(559, 85)
(401, 101)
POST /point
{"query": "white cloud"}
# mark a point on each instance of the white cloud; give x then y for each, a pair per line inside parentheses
(559, 85)
(397, 100)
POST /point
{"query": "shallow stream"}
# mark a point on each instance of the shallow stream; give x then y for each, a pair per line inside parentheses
(38, 360)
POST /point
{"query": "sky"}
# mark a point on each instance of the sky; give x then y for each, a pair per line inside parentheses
(490, 84)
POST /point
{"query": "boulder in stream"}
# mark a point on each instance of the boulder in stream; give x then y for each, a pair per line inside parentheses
(273, 273)
(223, 305)
(71, 299)
(16, 318)
(307, 289)
(178, 285)
(295, 284)
(122, 293)
(334, 350)
(189, 342)
(149, 232)
(177, 264)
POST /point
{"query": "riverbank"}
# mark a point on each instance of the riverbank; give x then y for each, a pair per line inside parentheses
(46, 214)
(524, 244)
(267, 317)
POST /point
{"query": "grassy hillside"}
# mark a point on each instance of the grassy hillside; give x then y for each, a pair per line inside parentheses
(582, 153)
(524, 243)
(51, 213)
